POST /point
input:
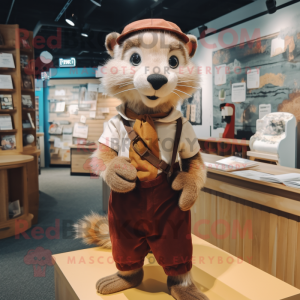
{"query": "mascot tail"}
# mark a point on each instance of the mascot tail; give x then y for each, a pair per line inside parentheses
(93, 229)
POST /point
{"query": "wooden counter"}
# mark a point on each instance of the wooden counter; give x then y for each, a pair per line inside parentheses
(257, 221)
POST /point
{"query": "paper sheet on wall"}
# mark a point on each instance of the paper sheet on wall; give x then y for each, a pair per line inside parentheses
(6, 60)
(253, 77)
(57, 143)
(277, 46)
(193, 112)
(238, 93)
(67, 141)
(264, 109)
(6, 82)
(80, 131)
(220, 75)
(93, 87)
(60, 106)
(82, 119)
(65, 155)
(93, 114)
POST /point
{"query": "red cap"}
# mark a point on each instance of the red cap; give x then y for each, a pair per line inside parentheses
(159, 24)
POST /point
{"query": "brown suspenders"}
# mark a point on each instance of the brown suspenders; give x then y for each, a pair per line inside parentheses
(148, 155)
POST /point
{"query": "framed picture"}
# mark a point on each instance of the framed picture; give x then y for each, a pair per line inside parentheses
(6, 102)
(27, 101)
(8, 142)
(27, 81)
(24, 61)
(1, 40)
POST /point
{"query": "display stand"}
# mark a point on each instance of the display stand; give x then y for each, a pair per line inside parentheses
(18, 46)
(13, 186)
(76, 274)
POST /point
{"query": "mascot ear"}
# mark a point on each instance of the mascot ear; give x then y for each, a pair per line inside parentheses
(111, 42)
(192, 45)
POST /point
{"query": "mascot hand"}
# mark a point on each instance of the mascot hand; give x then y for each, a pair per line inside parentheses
(120, 175)
(190, 190)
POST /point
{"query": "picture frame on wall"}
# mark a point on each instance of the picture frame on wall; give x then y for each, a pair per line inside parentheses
(27, 101)
(27, 81)
(6, 102)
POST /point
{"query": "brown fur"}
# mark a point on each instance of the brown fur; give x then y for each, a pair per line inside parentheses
(190, 181)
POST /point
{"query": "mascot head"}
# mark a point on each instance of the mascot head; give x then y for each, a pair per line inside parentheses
(151, 66)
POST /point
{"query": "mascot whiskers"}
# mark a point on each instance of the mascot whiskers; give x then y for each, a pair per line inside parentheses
(149, 156)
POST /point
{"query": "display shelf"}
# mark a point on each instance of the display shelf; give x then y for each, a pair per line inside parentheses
(7, 48)
(28, 129)
(28, 109)
(8, 91)
(7, 69)
(28, 90)
(8, 131)
(7, 111)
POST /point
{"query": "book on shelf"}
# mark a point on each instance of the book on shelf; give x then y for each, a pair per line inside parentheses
(26, 124)
(5, 122)
(27, 81)
(7, 61)
(8, 142)
(14, 209)
(27, 101)
(24, 61)
(6, 102)
(30, 120)
(6, 82)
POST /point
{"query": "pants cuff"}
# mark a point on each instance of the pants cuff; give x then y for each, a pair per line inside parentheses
(129, 267)
(180, 269)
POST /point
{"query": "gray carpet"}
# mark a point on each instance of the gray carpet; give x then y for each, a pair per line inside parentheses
(63, 198)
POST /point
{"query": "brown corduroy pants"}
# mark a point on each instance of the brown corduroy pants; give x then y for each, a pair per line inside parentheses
(149, 218)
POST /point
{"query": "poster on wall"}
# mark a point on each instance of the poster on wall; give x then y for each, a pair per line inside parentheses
(191, 108)
(274, 88)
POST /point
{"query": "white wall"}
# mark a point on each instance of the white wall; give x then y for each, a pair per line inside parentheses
(267, 24)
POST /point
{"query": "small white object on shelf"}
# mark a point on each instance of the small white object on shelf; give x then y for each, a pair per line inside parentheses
(275, 139)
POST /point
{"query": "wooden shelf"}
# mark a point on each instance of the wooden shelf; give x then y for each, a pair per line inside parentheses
(26, 51)
(28, 129)
(8, 131)
(6, 111)
(7, 48)
(7, 69)
(28, 109)
(7, 90)
(27, 90)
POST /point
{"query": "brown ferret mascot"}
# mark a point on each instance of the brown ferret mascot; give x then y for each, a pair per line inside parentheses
(152, 185)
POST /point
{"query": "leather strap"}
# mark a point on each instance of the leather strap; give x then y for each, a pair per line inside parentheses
(148, 155)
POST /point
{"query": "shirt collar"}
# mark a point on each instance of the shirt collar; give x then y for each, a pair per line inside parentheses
(174, 114)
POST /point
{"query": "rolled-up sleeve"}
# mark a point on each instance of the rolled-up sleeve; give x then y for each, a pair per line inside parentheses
(110, 136)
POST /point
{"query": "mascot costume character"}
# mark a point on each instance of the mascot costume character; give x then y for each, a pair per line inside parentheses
(149, 157)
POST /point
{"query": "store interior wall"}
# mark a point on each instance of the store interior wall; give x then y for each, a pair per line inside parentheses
(267, 24)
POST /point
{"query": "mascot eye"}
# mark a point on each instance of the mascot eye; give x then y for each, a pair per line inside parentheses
(135, 59)
(173, 62)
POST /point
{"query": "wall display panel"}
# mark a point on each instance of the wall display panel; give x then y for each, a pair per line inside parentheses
(191, 108)
(268, 68)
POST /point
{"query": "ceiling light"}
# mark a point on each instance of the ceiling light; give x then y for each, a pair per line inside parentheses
(85, 30)
(71, 20)
(271, 6)
(97, 2)
(46, 57)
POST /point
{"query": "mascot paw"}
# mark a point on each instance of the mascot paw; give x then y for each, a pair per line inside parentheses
(190, 292)
(190, 190)
(120, 175)
(116, 282)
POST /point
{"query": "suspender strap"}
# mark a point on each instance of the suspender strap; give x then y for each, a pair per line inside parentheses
(147, 154)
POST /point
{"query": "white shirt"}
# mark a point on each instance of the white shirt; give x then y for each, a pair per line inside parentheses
(115, 135)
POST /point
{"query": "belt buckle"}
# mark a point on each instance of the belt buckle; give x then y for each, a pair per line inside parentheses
(134, 141)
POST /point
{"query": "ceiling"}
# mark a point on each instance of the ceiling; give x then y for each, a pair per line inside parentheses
(113, 15)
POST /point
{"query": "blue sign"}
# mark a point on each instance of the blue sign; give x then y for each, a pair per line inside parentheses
(67, 62)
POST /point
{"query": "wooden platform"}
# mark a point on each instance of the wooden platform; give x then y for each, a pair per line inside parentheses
(218, 274)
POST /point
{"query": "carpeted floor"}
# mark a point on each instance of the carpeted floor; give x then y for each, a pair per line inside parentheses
(63, 199)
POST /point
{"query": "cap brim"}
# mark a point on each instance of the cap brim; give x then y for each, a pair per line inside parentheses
(181, 35)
